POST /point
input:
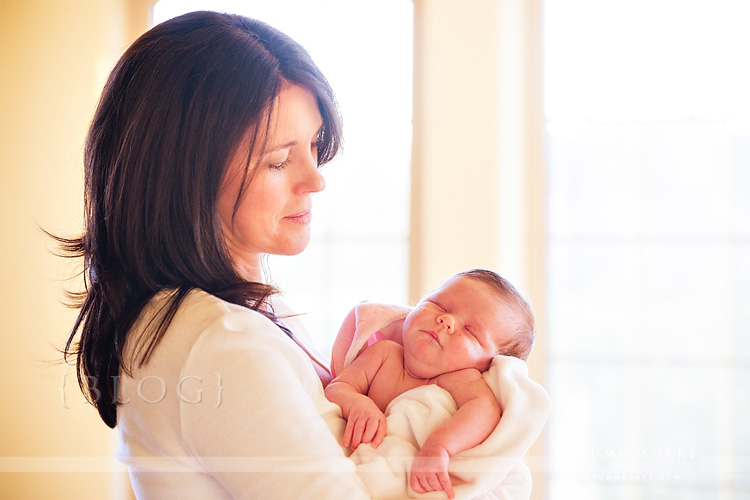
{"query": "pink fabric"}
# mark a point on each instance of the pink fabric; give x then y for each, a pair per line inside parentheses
(360, 329)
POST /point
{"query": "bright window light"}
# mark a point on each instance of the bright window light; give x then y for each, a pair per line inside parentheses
(648, 248)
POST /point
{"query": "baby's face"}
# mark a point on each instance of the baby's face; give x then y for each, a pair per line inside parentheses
(462, 324)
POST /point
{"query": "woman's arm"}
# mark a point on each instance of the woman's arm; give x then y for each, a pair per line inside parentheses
(265, 432)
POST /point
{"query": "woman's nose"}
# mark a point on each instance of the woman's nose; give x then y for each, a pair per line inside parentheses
(313, 180)
(446, 320)
(316, 181)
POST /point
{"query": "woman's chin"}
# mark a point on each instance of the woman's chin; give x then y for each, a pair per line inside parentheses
(294, 247)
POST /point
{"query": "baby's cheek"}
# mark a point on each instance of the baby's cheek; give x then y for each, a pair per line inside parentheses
(460, 357)
(482, 359)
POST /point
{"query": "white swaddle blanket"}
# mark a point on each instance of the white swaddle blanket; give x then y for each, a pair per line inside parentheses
(413, 415)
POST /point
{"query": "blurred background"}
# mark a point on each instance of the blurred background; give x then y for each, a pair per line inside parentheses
(594, 152)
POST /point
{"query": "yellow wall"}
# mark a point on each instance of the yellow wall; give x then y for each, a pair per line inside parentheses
(54, 56)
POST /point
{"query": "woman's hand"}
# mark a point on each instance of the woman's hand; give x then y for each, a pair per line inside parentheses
(430, 471)
(364, 424)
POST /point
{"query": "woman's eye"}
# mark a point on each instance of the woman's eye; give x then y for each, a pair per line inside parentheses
(280, 165)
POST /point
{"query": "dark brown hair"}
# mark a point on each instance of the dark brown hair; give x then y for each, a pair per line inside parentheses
(174, 110)
(520, 345)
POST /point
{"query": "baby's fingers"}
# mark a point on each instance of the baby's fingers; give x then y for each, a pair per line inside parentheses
(429, 481)
(445, 484)
(348, 434)
(416, 484)
(357, 430)
(374, 432)
(430, 471)
(422, 483)
(380, 434)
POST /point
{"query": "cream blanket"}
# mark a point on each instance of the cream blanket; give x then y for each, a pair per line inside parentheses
(412, 416)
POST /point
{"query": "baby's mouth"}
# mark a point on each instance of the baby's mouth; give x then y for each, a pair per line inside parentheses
(434, 335)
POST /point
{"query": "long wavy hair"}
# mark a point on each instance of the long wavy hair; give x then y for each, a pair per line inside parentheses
(174, 110)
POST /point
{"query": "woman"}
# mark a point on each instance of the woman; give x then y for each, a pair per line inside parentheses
(203, 155)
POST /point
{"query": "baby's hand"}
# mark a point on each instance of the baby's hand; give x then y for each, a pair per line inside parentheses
(365, 424)
(430, 472)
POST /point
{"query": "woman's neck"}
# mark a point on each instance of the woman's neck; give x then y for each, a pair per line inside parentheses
(249, 269)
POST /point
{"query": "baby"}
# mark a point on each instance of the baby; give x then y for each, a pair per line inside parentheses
(448, 339)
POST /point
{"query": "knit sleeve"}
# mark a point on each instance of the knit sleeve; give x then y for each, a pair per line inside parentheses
(259, 430)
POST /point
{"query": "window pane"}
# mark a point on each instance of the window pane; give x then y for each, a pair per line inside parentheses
(687, 178)
(594, 298)
(648, 248)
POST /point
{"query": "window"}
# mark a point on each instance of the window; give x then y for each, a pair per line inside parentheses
(648, 248)
(359, 248)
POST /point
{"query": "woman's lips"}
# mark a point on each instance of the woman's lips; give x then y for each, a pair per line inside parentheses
(300, 218)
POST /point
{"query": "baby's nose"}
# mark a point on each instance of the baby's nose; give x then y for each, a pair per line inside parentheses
(447, 321)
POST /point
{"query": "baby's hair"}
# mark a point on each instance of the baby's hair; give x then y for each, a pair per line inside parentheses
(520, 345)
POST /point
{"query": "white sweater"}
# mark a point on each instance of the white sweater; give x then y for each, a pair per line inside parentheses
(229, 407)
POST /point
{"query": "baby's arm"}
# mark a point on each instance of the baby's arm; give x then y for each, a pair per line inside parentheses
(365, 423)
(477, 416)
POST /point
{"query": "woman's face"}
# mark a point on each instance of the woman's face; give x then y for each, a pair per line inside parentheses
(274, 214)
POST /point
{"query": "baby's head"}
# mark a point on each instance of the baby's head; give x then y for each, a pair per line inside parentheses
(520, 344)
(464, 323)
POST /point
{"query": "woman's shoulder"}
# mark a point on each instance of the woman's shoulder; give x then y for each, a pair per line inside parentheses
(239, 343)
(205, 324)
(226, 328)
(199, 306)
(208, 335)
(214, 316)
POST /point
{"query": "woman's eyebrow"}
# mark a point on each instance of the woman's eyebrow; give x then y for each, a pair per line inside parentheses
(279, 147)
(289, 144)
